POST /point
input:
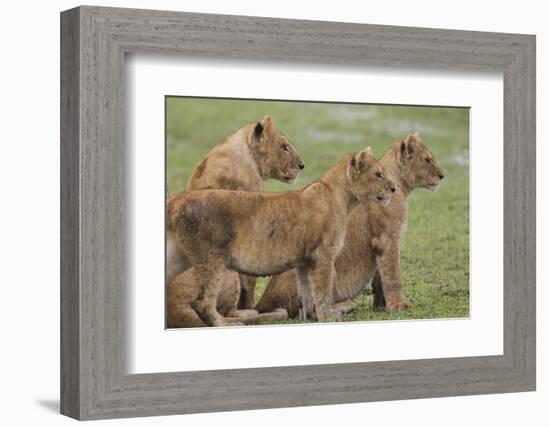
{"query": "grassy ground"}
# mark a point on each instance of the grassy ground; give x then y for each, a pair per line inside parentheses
(435, 250)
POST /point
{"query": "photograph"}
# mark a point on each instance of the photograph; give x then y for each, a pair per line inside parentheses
(292, 211)
(316, 212)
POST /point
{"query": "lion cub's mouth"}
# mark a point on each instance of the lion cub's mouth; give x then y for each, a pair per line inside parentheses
(291, 177)
(433, 186)
(383, 200)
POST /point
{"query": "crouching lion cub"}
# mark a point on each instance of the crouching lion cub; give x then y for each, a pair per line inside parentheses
(242, 161)
(372, 242)
(267, 233)
(182, 291)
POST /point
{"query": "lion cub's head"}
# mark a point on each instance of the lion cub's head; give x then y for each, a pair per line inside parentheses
(367, 179)
(276, 156)
(417, 164)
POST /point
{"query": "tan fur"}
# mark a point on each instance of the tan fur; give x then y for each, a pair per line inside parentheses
(182, 291)
(242, 161)
(267, 233)
(246, 158)
(372, 240)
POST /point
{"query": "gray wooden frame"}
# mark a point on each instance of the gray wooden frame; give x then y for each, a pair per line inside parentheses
(94, 41)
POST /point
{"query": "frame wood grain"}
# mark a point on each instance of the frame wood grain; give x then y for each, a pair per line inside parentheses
(94, 41)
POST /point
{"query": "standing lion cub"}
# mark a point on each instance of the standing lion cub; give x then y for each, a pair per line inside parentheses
(267, 233)
(373, 235)
(241, 161)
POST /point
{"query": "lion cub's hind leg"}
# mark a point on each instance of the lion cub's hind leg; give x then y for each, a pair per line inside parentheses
(252, 317)
(305, 294)
(208, 278)
(181, 291)
(184, 317)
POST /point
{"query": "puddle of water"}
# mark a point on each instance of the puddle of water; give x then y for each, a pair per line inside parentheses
(341, 137)
(461, 159)
(351, 113)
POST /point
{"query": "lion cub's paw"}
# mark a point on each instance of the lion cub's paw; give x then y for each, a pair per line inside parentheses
(337, 316)
(229, 321)
(244, 313)
(325, 313)
(399, 305)
(280, 314)
(344, 307)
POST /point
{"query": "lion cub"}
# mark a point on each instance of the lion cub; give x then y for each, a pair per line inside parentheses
(372, 238)
(242, 161)
(267, 233)
(248, 157)
(182, 291)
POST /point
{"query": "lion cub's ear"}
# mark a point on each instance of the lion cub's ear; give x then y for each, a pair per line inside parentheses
(263, 127)
(415, 136)
(267, 122)
(409, 145)
(359, 162)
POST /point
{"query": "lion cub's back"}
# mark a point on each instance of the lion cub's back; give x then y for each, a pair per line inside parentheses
(269, 236)
(229, 166)
(209, 216)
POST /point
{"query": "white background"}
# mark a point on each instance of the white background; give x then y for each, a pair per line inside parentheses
(29, 173)
(152, 349)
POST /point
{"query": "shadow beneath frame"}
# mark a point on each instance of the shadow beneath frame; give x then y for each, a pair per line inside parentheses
(51, 405)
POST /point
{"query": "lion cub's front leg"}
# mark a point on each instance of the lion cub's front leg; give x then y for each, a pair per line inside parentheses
(320, 284)
(390, 272)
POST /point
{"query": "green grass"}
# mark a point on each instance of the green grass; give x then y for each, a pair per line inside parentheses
(435, 248)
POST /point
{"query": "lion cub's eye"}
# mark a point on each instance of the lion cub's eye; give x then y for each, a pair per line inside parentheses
(286, 147)
(378, 174)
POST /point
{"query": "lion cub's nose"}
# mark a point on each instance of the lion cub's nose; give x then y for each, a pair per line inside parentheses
(392, 189)
(441, 176)
(301, 165)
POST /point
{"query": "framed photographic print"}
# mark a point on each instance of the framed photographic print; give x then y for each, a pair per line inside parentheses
(322, 134)
(288, 213)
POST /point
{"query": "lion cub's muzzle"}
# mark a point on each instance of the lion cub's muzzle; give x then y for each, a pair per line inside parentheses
(433, 185)
(385, 198)
(293, 173)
